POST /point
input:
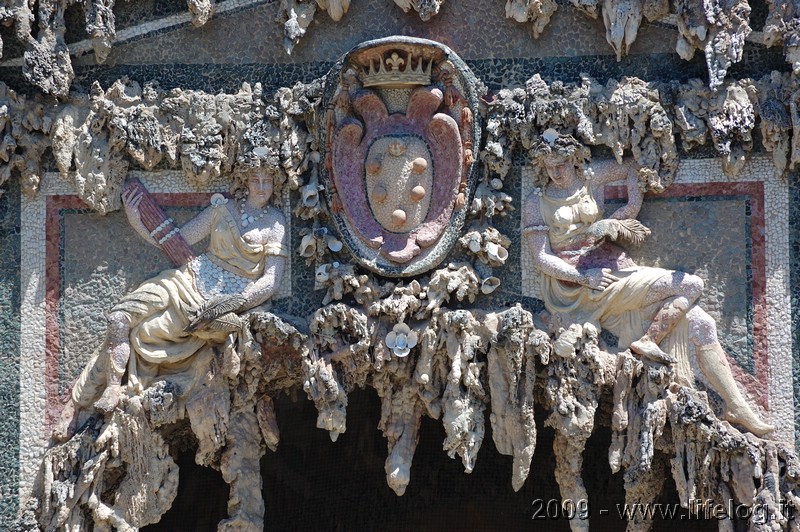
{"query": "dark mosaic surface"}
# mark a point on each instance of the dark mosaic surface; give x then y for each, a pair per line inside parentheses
(495, 73)
(9, 354)
(570, 33)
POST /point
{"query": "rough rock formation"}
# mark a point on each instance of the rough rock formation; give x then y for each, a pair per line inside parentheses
(647, 120)
(516, 347)
(95, 137)
(123, 455)
(40, 27)
(297, 16)
(425, 8)
(538, 12)
(118, 470)
(576, 372)
(718, 28)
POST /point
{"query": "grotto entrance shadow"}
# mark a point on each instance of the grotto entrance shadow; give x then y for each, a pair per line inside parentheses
(311, 483)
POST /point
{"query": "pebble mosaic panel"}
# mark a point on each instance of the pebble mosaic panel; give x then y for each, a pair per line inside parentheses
(9, 354)
(67, 283)
(794, 283)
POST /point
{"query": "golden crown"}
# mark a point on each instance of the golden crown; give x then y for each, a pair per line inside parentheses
(390, 73)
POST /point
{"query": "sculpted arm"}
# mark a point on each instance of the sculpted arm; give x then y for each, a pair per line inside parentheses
(547, 262)
(198, 227)
(193, 231)
(130, 201)
(610, 172)
(265, 286)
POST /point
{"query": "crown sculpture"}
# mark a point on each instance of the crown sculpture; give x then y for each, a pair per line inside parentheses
(395, 77)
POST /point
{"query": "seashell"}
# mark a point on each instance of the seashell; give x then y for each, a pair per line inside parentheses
(310, 195)
(490, 284)
(475, 244)
(550, 135)
(308, 246)
(399, 217)
(496, 183)
(496, 254)
(419, 165)
(334, 244)
(322, 274)
(417, 193)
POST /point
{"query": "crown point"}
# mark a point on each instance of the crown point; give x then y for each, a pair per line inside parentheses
(396, 71)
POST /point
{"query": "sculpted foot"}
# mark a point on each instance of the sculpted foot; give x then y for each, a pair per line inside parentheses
(746, 418)
(67, 423)
(647, 348)
(110, 398)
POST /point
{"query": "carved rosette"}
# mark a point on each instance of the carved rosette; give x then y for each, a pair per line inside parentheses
(397, 144)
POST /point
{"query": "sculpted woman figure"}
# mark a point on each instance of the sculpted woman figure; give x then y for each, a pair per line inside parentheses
(585, 276)
(158, 327)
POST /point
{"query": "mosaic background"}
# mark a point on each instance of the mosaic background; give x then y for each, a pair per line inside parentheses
(9, 354)
(307, 467)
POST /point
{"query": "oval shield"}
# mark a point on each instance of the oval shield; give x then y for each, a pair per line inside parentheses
(398, 134)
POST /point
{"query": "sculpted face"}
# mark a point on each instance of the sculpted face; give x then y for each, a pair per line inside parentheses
(560, 171)
(259, 187)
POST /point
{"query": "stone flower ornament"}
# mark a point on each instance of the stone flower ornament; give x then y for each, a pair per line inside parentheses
(401, 340)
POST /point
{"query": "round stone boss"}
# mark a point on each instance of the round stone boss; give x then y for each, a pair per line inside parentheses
(398, 138)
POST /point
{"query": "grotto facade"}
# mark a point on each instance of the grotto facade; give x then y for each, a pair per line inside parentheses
(405, 264)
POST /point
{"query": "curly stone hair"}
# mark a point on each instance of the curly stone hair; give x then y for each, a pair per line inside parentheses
(562, 147)
(259, 150)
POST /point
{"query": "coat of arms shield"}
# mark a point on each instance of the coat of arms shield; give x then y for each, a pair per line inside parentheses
(399, 127)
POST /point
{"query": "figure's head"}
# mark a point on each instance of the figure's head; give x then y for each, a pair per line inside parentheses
(260, 183)
(257, 184)
(559, 158)
(258, 173)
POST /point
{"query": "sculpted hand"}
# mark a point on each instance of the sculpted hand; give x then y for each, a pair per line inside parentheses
(599, 278)
(131, 199)
(603, 228)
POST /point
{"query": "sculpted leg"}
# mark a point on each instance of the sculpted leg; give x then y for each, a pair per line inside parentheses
(119, 351)
(103, 372)
(714, 365)
(678, 291)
